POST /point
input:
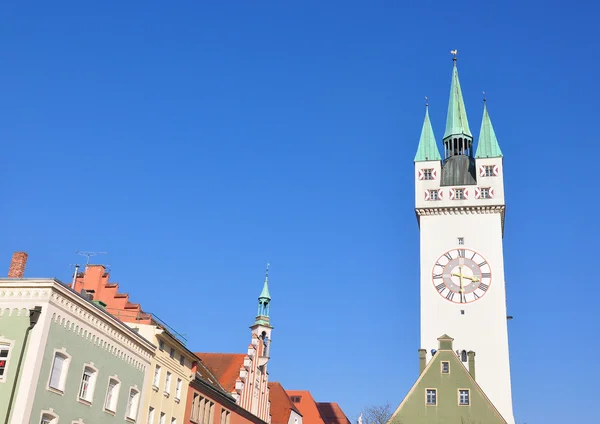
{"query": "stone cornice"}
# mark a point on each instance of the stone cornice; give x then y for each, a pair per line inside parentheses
(462, 210)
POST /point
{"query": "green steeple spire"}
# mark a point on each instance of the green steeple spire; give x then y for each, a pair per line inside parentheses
(264, 299)
(488, 146)
(428, 149)
(456, 122)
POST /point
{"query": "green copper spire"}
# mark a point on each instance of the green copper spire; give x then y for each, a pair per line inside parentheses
(488, 146)
(262, 317)
(428, 149)
(456, 122)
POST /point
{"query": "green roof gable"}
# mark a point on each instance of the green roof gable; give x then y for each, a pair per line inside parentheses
(414, 409)
(488, 146)
(428, 149)
(456, 121)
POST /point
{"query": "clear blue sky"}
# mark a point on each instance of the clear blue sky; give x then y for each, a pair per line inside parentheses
(193, 141)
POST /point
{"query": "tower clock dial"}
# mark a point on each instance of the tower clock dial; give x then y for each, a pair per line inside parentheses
(462, 276)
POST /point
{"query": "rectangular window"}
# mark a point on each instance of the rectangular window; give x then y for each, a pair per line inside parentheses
(445, 367)
(4, 354)
(48, 418)
(168, 383)
(156, 379)
(88, 380)
(182, 360)
(150, 415)
(161, 345)
(132, 404)
(485, 193)
(209, 410)
(428, 174)
(296, 399)
(434, 195)
(172, 352)
(459, 194)
(463, 397)
(178, 389)
(431, 397)
(461, 240)
(58, 372)
(489, 170)
(112, 394)
(163, 418)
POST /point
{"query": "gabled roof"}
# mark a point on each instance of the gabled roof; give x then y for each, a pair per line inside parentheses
(224, 366)
(281, 404)
(307, 406)
(331, 413)
(413, 408)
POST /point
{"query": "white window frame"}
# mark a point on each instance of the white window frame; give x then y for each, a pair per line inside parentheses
(462, 194)
(49, 415)
(162, 418)
(63, 372)
(114, 399)
(6, 344)
(428, 172)
(487, 191)
(133, 404)
(434, 194)
(156, 377)
(91, 386)
(460, 397)
(178, 389)
(225, 414)
(487, 168)
(427, 390)
(442, 367)
(461, 241)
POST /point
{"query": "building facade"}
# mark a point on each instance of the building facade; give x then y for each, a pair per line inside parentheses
(245, 376)
(173, 365)
(314, 412)
(79, 363)
(446, 392)
(460, 209)
(283, 410)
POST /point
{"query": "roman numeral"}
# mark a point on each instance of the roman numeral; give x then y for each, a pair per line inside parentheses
(461, 253)
(484, 287)
(476, 297)
(440, 287)
(473, 257)
(450, 295)
(439, 264)
(436, 276)
(486, 275)
(448, 255)
(482, 264)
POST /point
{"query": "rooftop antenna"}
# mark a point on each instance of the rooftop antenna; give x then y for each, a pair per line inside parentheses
(88, 255)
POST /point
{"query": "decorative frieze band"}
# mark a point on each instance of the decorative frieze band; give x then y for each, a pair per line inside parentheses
(461, 210)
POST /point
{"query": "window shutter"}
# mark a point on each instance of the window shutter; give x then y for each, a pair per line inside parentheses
(451, 194)
(434, 174)
(427, 195)
(477, 193)
(421, 174)
(466, 193)
(496, 170)
(440, 192)
(492, 192)
(482, 171)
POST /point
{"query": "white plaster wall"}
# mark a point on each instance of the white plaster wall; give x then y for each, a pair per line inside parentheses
(483, 327)
(295, 418)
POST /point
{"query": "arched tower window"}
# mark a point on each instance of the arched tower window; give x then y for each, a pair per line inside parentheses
(463, 356)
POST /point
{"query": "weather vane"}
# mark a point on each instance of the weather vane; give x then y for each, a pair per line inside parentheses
(454, 52)
(426, 101)
(484, 98)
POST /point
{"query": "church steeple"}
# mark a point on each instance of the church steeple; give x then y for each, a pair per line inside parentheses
(488, 146)
(458, 139)
(428, 149)
(264, 299)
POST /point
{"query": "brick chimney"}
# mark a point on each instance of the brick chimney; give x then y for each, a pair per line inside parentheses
(17, 265)
(422, 360)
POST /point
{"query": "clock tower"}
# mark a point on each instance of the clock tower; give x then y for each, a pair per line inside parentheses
(460, 208)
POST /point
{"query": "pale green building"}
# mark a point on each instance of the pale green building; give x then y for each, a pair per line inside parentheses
(446, 392)
(79, 365)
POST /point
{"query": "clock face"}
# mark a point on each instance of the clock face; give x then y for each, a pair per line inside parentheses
(462, 276)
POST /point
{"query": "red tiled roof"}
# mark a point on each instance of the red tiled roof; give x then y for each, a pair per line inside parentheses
(332, 413)
(224, 366)
(281, 404)
(307, 406)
